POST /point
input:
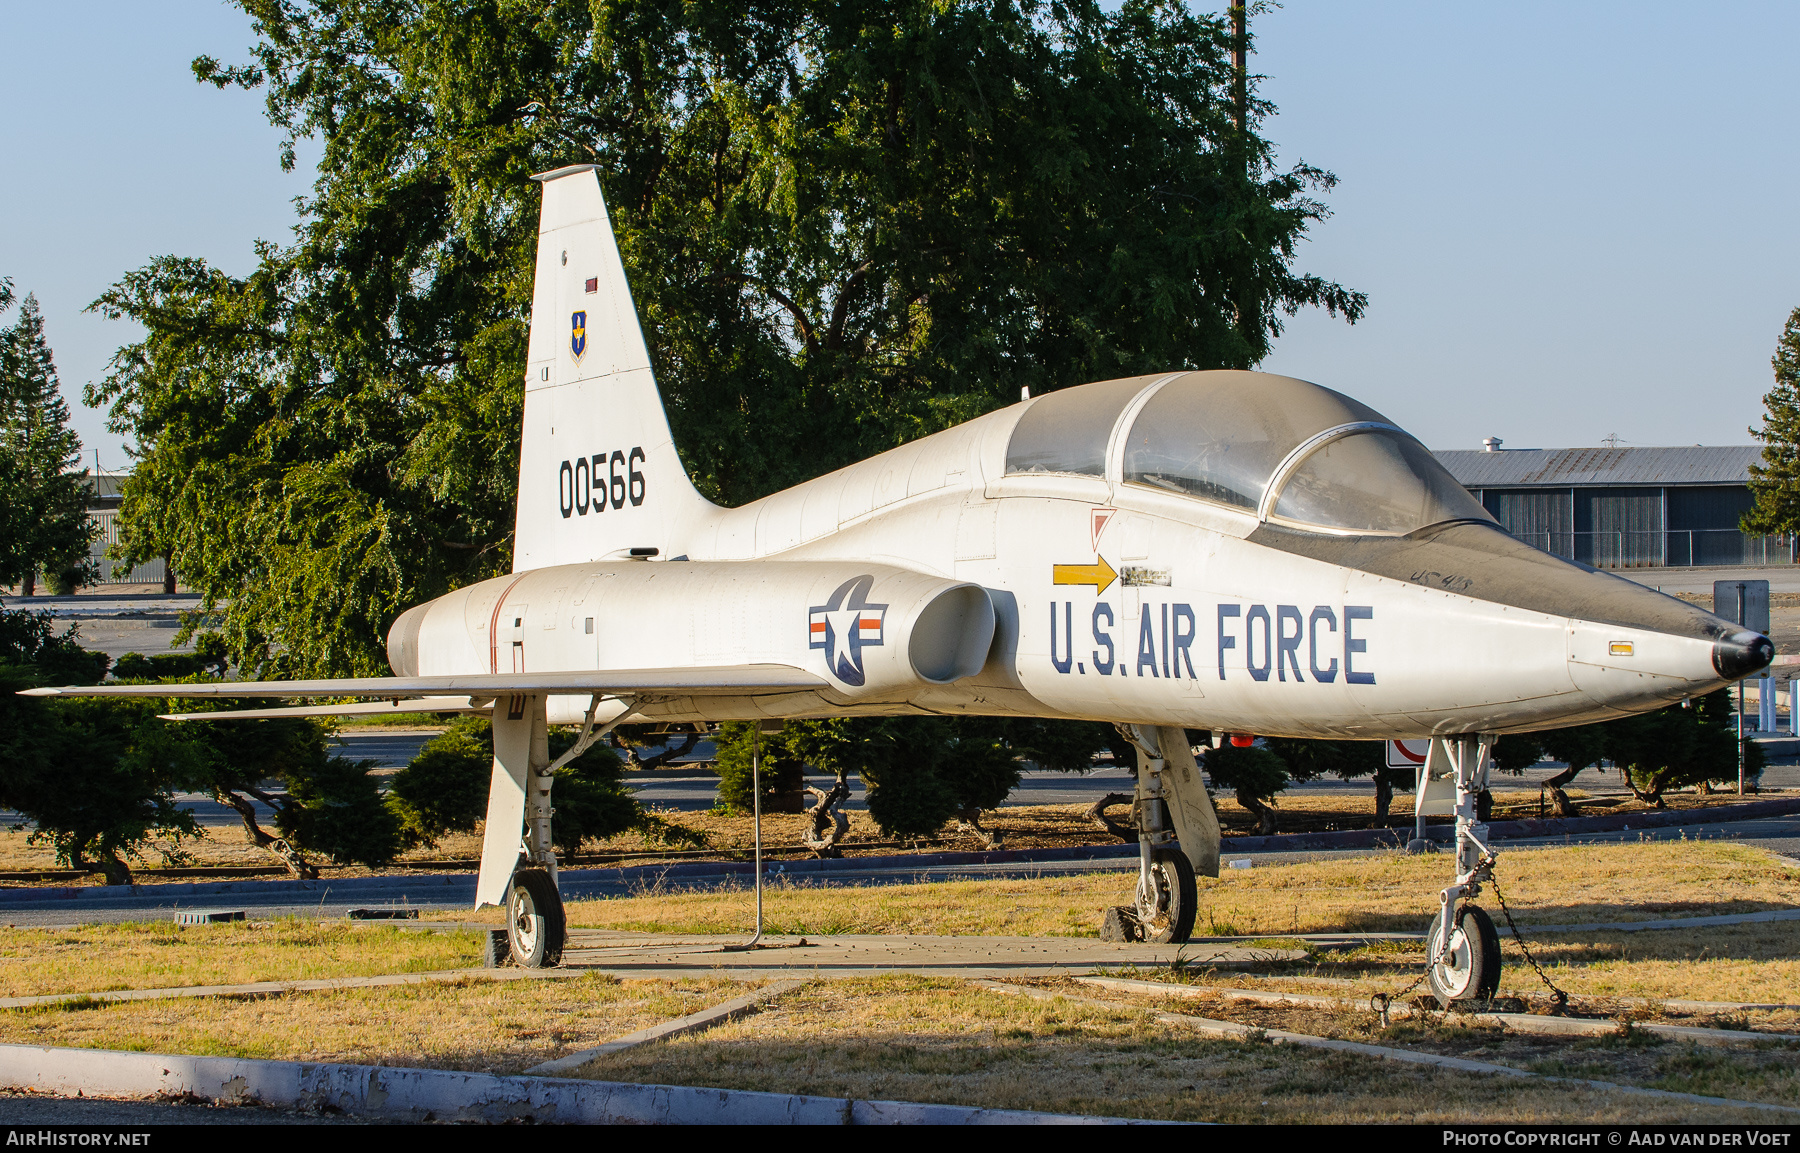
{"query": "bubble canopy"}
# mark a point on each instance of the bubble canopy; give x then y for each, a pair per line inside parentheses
(1284, 449)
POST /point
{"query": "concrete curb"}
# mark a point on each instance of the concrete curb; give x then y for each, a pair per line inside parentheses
(709, 1018)
(401, 1094)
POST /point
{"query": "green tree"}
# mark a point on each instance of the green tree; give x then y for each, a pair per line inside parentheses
(1775, 482)
(93, 782)
(1309, 760)
(846, 226)
(1254, 774)
(44, 525)
(592, 802)
(325, 804)
(1679, 747)
(444, 789)
(782, 770)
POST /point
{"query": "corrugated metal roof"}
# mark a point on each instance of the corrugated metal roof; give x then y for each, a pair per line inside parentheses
(1562, 467)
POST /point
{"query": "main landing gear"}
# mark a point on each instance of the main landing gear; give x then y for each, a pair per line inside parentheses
(535, 925)
(520, 875)
(1178, 838)
(1462, 948)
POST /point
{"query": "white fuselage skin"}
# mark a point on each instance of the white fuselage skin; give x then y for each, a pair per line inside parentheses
(1205, 629)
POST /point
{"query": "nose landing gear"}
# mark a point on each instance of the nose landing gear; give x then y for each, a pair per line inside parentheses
(1462, 948)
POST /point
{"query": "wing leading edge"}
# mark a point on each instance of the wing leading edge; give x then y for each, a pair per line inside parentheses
(715, 680)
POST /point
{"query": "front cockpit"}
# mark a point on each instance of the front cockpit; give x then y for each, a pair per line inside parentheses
(1315, 474)
(1287, 451)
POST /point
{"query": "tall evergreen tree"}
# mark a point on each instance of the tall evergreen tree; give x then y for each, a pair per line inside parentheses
(44, 526)
(1776, 482)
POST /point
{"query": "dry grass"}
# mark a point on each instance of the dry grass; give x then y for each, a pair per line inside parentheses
(1767, 1071)
(161, 955)
(936, 1040)
(1382, 892)
(1754, 963)
(492, 1026)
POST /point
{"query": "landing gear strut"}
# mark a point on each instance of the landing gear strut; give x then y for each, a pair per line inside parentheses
(520, 875)
(1462, 948)
(1174, 818)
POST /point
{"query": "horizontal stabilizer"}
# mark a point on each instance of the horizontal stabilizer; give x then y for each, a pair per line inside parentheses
(355, 709)
(716, 680)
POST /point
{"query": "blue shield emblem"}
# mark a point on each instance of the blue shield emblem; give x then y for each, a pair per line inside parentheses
(578, 334)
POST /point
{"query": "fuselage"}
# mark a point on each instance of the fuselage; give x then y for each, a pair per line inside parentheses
(1111, 598)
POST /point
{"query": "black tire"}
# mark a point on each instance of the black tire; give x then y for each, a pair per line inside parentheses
(1470, 969)
(1173, 921)
(535, 927)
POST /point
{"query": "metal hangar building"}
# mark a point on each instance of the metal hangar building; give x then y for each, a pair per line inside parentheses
(1623, 507)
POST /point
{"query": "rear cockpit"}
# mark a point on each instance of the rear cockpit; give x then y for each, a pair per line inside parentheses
(1285, 450)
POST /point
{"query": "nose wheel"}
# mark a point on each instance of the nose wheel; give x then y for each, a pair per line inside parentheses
(535, 927)
(1467, 966)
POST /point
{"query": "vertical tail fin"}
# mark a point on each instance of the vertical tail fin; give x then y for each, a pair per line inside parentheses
(598, 471)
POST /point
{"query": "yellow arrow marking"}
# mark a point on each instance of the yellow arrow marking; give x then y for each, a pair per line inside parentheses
(1099, 574)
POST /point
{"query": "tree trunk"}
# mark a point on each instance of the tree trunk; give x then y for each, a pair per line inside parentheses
(827, 826)
(168, 577)
(969, 817)
(1564, 806)
(1651, 796)
(282, 851)
(1096, 814)
(1384, 797)
(1265, 815)
(117, 871)
(28, 585)
(669, 753)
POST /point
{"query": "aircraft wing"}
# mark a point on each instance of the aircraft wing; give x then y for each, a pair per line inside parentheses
(705, 681)
(395, 707)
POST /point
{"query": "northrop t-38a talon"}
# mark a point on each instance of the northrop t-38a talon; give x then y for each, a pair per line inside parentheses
(1230, 551)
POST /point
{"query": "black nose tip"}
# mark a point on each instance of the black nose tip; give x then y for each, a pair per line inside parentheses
(1741, 654)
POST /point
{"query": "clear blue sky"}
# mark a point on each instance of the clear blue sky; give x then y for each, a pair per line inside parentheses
(1571, 220)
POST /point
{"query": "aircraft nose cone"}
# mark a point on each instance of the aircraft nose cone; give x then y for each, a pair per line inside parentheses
(1741, 654)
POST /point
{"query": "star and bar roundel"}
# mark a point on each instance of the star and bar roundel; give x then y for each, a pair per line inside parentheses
(844, 626)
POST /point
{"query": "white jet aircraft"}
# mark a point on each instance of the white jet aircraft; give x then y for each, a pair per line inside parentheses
(1231, 551)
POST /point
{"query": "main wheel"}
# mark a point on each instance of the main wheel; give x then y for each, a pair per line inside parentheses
(1168, 898)
(534, 920)
(1468, 965)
